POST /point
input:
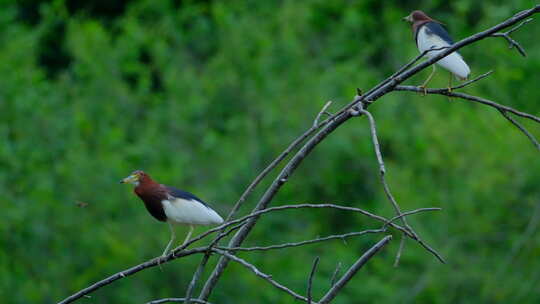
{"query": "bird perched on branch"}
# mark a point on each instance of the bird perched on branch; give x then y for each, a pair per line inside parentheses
(429, 34)
(171, 205)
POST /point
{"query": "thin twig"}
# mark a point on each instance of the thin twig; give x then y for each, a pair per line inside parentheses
(410, 213)
(521, 128)
(431, 250)
(125, 273)
(310, 279)
(382, 169)
(334, 277)
(195, 278)
(332, 206)
(261, 274)
(269, 168)
(387, 188)
(400, 250)
(513, 43)
(468, 82)
(278, 159)
(302, 243)
(167, 300)
(330, 237)
(331, 294)
(256, 214)
(471, 98)
(323, 111)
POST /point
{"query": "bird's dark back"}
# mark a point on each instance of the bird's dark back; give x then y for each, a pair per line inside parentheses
(185, 195)
(437, 29)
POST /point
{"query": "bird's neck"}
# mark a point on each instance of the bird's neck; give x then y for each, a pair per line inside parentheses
(152, 194)
(148, 187)
(417, 25)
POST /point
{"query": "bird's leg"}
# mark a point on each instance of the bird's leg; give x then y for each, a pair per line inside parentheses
(188, 235)
(450, 86)
(173, 237)
(166, 251)
(423, 86)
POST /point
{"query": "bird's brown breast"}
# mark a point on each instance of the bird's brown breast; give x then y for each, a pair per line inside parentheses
(152, 197)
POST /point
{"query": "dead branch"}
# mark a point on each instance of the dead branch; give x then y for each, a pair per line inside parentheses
(306, 242)
(522, 129)
(310, 279)
(261, 274)
(331, 237)
(470, 98)
(333, 279)
(167, 300)
(513, 43)
(126, 273)
(504, 110)
(331, 294)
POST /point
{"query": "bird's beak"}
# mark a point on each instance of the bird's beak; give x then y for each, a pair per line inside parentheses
(130, 179)
(407, 18)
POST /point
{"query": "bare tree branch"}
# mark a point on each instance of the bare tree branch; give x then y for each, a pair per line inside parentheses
(380, 160)
(306, 242)
(399, 71)
(334, 277)
(387, 187)
(316, 125)
(504, 110)
(331, 237)
(183, 252)
(323, 111)
(167, 300)
(196, 277)
(468, 82)
(400, 250)
(512, 43)
(261, 274)
(126, 273)
(331, 294)
(397, 217)
(521, 128)
(470, 98)
(310, 279)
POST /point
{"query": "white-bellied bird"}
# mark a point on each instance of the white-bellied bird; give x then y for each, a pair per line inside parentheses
(429, 34)
(171, 205)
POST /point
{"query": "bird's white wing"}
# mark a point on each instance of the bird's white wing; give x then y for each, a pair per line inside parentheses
(454, 63)
(189, 211)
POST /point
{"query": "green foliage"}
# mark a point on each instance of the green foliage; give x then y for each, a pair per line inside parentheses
(204, 94)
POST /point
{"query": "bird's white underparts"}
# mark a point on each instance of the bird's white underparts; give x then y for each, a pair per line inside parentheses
(429, 37)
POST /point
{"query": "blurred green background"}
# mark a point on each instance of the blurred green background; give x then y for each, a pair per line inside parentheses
(203, 94)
